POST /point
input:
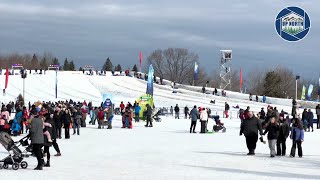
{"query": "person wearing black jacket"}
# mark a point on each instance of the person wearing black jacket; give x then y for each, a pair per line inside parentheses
(283, 135)
(250, 128)
(149, 113)
(58, 121)
(272, 129)
(53, 134)
(186, 112)
(262, 114)
(177, 111)
(66, 118)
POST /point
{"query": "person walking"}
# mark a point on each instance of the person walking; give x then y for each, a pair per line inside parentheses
(283, 135)
(251, 127)
(149, 113)
(226, 110)
(297, 136)
(137, 109)
(272, 128)
(194, 117)
(37, 139)
(186, 112)
(203, 120)
(177, 111)
(318, 115)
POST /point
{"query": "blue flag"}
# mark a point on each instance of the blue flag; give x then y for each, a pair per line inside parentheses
(196, 67)
(56, 83)
(310, 92)
(150, 81)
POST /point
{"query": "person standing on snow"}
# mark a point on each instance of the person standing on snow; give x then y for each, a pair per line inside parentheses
(66, 119)
(100, 118)
(176, 110)
(203, 120)
(226, 110)
(137, 110)
(318, 116)
(194, 117)
(283, 135)
(171, 111)
(37, 139)
(122, 108)
(127, 118)
(149, 113)
(297, 136)
(310, 120)
(251, 128)
(109, 117)
(272, 129)
(186, 112)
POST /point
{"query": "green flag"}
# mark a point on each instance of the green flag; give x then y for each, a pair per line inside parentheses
(303, 94)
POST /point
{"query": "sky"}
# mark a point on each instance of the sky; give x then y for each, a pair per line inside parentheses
(90, 31)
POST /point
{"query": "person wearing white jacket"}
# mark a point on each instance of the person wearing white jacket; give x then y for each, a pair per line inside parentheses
(203, 120)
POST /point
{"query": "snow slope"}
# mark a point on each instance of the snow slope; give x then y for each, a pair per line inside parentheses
(166, 151)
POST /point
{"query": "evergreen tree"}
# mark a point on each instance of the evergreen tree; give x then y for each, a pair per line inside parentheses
(66, 65)
(55, 61)
(135, 68)
(44, 63)
(107, 65)
(80, 69)
(118, 68)
(34, 61)
(272, 85)
(72, 67)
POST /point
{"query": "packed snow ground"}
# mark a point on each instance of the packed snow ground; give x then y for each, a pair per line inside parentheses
(166, 151)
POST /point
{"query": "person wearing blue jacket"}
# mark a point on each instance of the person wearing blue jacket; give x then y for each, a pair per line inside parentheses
(15, 128)
(137, 109)
(297, 136)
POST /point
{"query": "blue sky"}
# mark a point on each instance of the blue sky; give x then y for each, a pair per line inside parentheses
(90, 31)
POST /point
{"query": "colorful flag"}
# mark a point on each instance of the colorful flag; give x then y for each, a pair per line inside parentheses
(56, 83)
(196, 71)
(7, 78)
(240, 79)
(303, 93)
(140, 60)
(310, 91)
(150, 81)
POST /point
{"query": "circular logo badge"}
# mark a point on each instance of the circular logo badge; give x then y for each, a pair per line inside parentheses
(292, 24)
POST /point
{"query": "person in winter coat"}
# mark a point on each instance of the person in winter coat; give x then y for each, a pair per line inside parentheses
(186, 112)
(262, 114)
(122, 108)
(37, 139)
(194, 117)
(76, 120)
(66, 119)
(226, 110)
(310, 120)
(58, 121)
(264, 99)
(251, 127)
(246, 112)
(137, 110)
(15, 127)
(25, 117)
(272, 129)
(177, 111)
(96, 112)
(305, 119)
(110, 115)
(318, 116)
(149, 113)
(297, 136)
(101, 118)
(203, 120)
(171, 111)
(283, 135)
(127, 118)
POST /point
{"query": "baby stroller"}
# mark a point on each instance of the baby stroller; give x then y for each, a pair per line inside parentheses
(219, 126)
(156, 116)
(15, 157)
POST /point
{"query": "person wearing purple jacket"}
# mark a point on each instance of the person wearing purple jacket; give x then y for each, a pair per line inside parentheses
(297, 136)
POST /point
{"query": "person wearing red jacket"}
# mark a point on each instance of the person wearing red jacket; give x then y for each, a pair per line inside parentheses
(25, 116)
(122, 108)
(100, 118)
